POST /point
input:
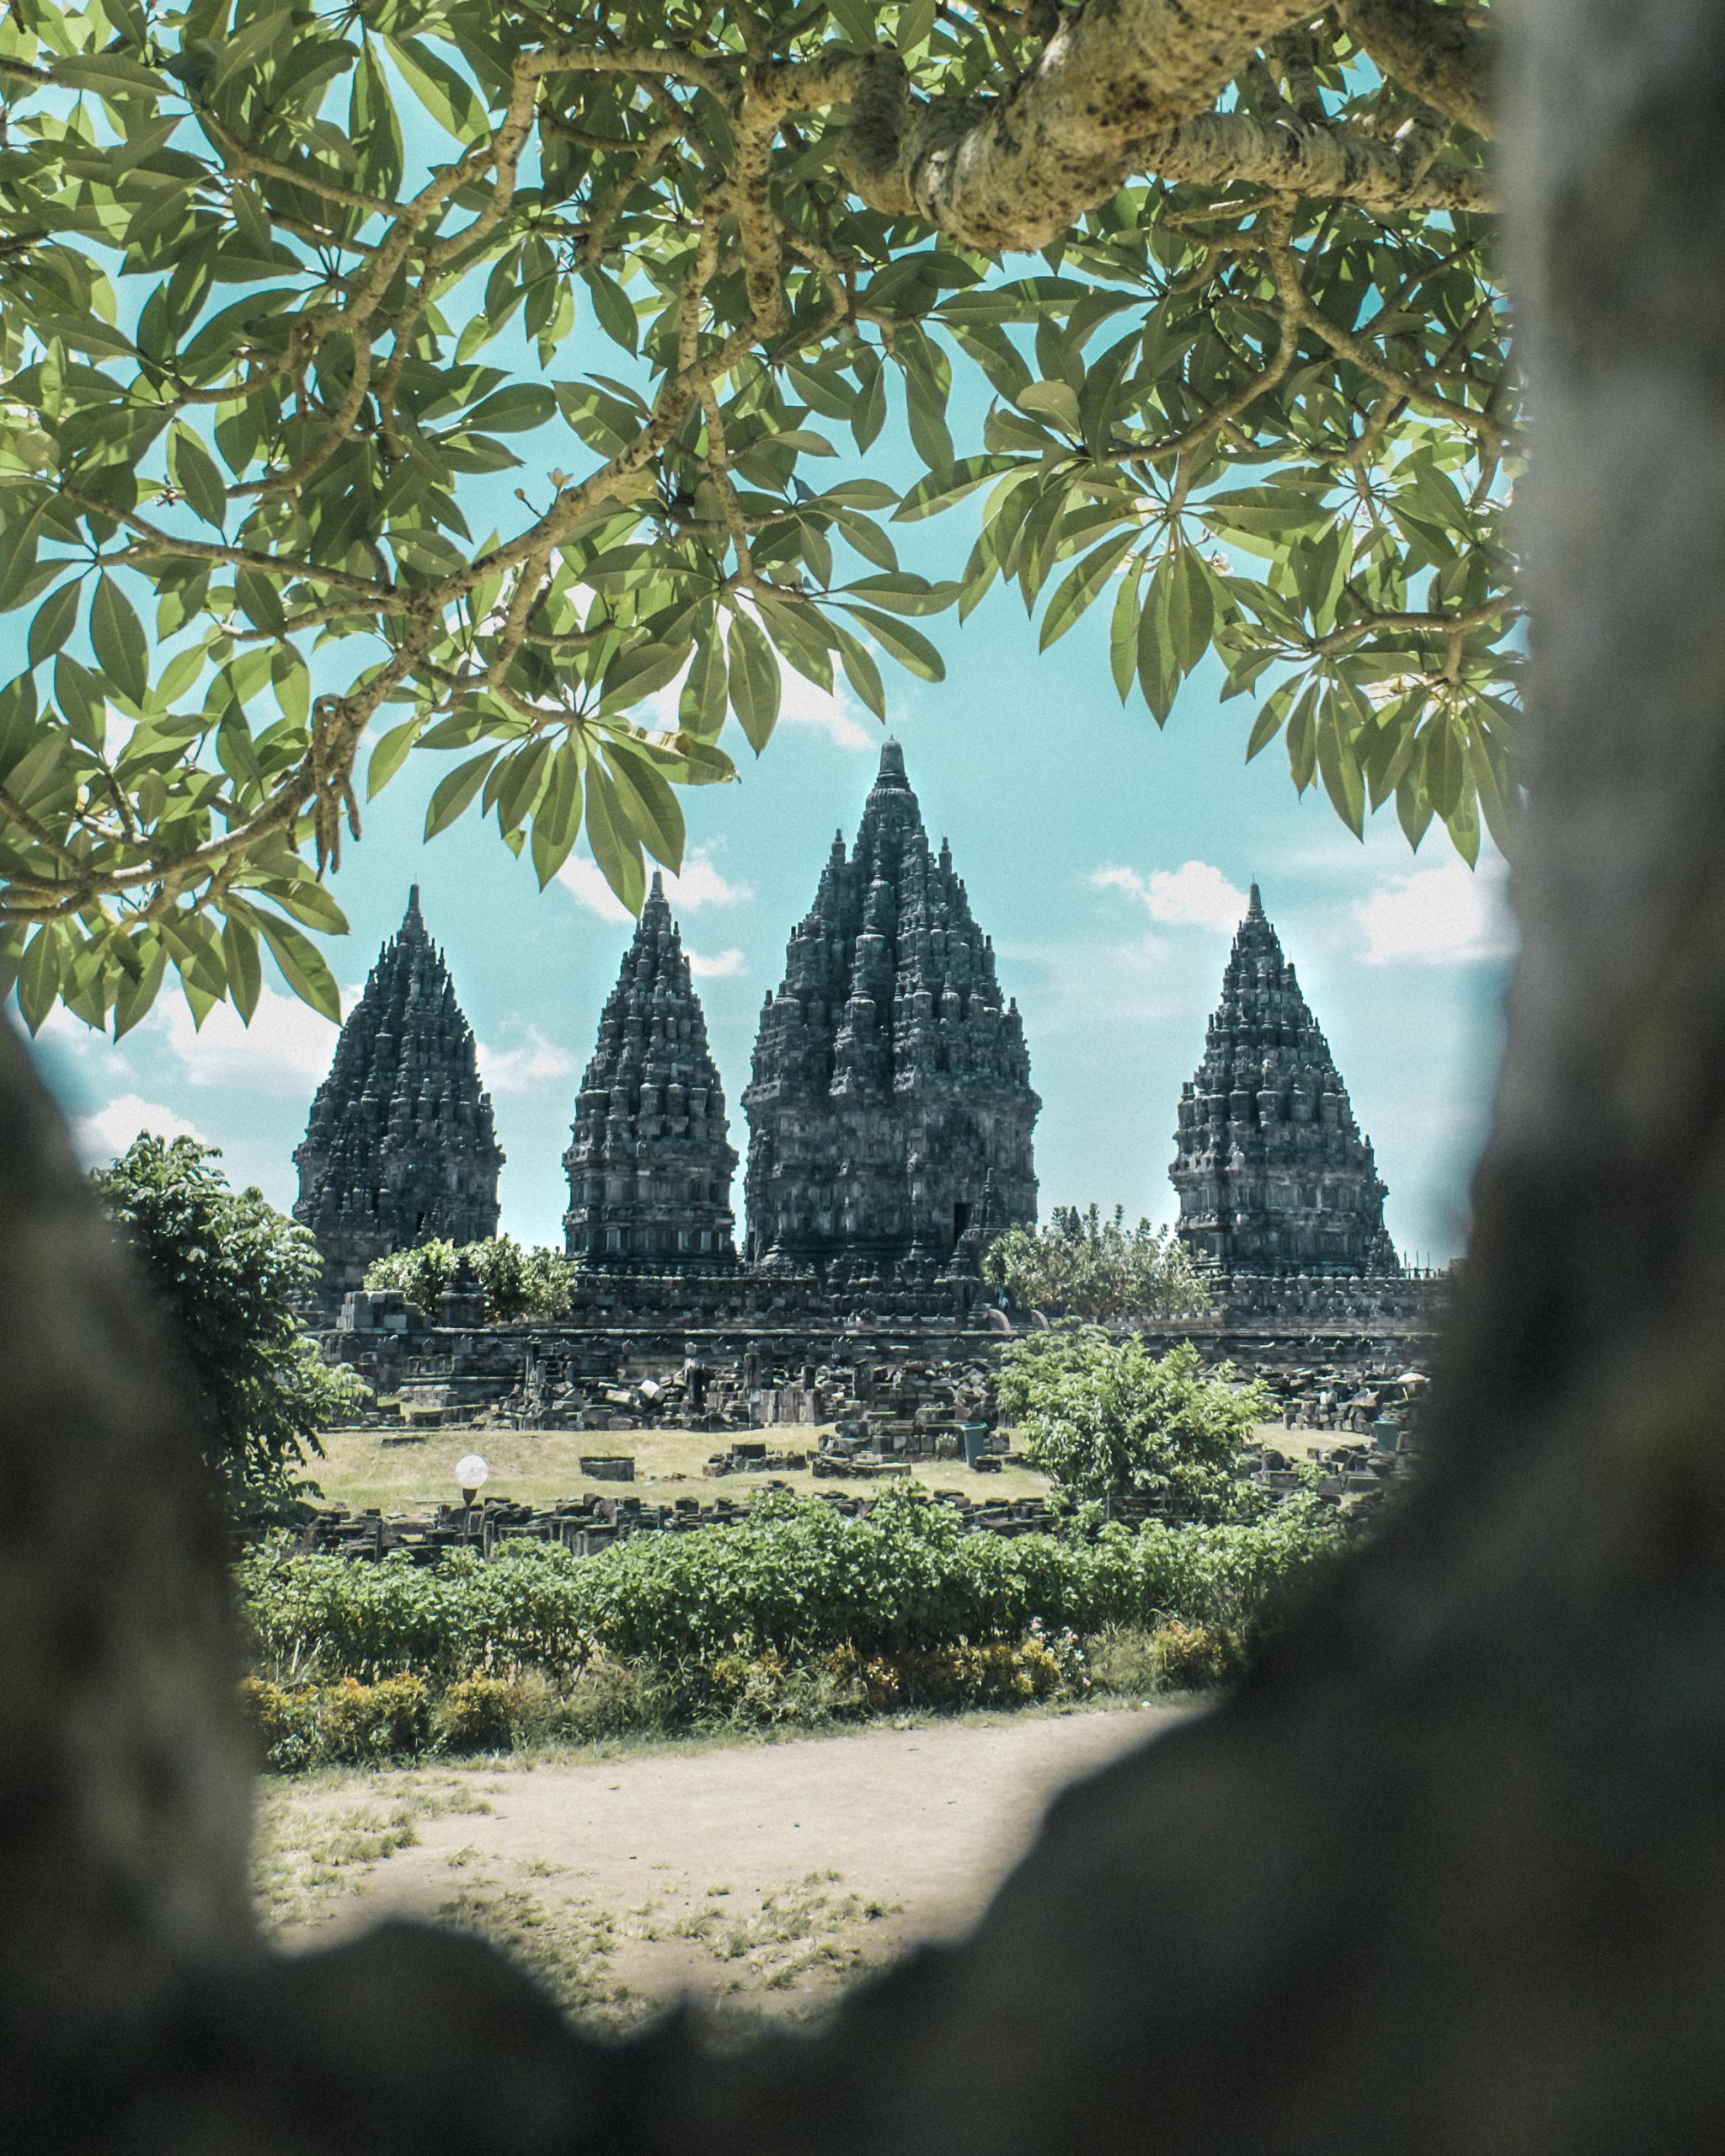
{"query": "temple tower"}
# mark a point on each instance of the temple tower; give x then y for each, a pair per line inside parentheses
(890, 1103)
(400, 1146)
(1272, 1171)
(650, 1161)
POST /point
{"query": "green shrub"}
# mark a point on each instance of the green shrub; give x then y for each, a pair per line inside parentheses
(794, 1579)
(364, 1722)
(477, 1714)
(286, 1718)
(1195, 1657)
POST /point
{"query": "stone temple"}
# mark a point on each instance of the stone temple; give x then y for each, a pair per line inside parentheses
(1273, 1175)
(890, 1109)
(650, 1163)
(400, 1146)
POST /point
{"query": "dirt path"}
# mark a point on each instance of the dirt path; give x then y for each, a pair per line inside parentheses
(762, 1874)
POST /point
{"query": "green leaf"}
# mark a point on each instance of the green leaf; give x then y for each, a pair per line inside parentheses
(940, 489)
(245, 970)
(1339, 767)
(1050, 400)
(456, 789)
(39, 976)
(1158, 675)
(445, 94)
(614, 846)
(302, 965)
(861, 671)
(1078, 589)
(613, 308)
(558, 818)
(1123, 631)
(53, 622)
(194, 471)
(753, 680)
(649, 805)
(1302, 737)
(521, 775)
(910, 646)
(117, 636)
(389, 756)
(701, 708)
(1191, 610)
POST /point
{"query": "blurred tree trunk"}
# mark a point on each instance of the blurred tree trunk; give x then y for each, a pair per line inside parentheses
(1448, 1874)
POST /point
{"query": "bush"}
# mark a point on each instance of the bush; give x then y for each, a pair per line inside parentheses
(792, 1578)
(1195, 1657)
(1104, 1417)
(387, 1720)
(477, 1714)
(515, 1283)
(1083, 1266)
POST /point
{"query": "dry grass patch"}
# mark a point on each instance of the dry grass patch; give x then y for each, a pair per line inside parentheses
(541, 1467)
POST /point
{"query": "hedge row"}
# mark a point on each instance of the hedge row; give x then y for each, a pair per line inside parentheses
(793, 1577)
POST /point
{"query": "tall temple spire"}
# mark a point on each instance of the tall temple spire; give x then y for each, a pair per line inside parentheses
(400, 1146)
(1272, 1171)
(890, 1081)
(649, 1161)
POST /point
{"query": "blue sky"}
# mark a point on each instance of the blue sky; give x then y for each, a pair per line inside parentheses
(1108, 862)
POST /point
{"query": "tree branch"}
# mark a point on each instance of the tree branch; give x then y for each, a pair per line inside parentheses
(1433, 51)
(1018, 172)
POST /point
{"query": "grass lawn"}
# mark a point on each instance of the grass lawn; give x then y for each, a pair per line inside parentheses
(539, 1467)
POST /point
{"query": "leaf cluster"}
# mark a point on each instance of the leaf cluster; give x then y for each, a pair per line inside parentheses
(1102, 1415)
(515, 1283)
(792, 1577)
(230, 1273)
(1084, 1266)
(497, 386)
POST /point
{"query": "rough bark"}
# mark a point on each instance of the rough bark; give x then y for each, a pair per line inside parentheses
(1449, 1873)
(1434, 51)
(1017, 174)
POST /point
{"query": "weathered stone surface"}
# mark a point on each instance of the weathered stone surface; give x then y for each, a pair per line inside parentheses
(400, 1146)
(890, 1109)
(1273, 1174)
(650, 1161)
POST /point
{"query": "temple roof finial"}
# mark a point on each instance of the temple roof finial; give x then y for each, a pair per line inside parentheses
(892, 760)
(1254, 904)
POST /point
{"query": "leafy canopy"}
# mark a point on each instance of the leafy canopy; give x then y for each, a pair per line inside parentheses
(1104, 1417)
(517, 1283)
(456, 374)
(1083, 1266)
(229, 1269)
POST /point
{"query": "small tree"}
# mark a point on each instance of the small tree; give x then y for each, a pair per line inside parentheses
(1083, 1266)
(1104, 1417)
(517, 1283)
(423, 1274)
(229, 1269)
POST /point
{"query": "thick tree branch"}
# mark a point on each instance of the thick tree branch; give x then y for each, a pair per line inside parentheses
(1433, 50)
(1018, 173)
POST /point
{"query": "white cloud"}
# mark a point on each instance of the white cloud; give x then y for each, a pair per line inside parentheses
(722, 965)
(1449, 915)
(845, 722)
(285, 1049)
(701, 883)
(1195, 895)
(103, 1136)
(837, 713)
(535, 1062)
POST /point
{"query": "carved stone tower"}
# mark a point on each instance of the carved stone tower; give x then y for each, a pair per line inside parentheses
(650, 1163)
(891, 1101)
(400, 1146)
(1272, 1171)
